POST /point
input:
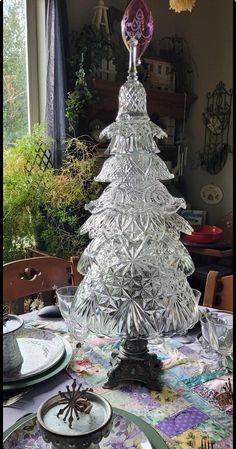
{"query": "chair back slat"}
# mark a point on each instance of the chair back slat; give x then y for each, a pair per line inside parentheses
(224, 293)
(218, 291)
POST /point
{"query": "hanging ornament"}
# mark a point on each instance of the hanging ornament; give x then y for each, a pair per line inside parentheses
(137, 23)
(182, 5)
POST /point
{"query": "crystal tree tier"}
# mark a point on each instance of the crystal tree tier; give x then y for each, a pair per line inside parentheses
(135, 268)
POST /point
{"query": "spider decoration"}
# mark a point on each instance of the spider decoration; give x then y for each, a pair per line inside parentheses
(5, 318)
(228, 389)
(226, 398)
(75, 401)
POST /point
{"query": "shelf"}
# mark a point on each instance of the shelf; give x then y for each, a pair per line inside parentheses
(211, 252)
(164, 104)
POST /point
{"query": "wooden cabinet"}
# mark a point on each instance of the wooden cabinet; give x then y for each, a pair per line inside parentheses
(163, 104)
(159, 104)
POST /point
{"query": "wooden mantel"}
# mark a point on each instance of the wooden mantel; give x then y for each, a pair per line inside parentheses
(164, 104)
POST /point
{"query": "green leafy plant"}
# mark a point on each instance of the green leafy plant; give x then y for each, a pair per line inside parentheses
(94, 45)
(91, 46)
(22, 191)
(46, 201)
(66, 192)
(78, 100)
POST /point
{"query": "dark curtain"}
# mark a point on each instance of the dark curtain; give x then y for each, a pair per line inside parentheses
(56, 89)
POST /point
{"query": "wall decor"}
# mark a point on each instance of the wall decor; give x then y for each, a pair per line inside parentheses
(216, 119)
(211, 194)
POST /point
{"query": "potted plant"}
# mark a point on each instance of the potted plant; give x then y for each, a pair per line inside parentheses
(39, 200)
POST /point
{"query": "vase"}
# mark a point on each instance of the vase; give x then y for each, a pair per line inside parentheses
(12, 358)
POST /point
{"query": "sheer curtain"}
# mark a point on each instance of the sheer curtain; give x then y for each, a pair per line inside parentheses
(56, 49)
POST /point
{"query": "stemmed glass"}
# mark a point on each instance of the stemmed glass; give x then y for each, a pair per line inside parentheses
(65, 297)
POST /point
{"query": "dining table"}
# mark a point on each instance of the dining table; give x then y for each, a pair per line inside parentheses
(185, 409)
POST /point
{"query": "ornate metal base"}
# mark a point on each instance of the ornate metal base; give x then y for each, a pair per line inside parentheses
(134, 363)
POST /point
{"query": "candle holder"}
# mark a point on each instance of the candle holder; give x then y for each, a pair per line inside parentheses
(84, 420)
(12, 357)
(133, 362)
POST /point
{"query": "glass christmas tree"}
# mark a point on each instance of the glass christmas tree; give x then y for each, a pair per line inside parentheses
(135, 269)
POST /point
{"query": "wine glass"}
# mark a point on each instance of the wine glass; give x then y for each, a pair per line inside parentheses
(65, 296)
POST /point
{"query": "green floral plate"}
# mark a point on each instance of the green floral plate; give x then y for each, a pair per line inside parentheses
(128, 432)
(18, 384)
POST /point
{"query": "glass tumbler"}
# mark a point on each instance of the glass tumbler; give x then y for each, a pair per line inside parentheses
(207, 352)
(221, 335)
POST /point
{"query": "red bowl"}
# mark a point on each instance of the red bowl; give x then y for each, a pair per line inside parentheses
(204, 234)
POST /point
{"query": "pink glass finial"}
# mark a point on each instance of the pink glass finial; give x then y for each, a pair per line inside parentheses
(137, 22)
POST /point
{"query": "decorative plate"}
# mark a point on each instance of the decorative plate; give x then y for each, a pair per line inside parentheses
(63, 362)
(41, 349)
(124, 434)
(129, 431)
(211, 194)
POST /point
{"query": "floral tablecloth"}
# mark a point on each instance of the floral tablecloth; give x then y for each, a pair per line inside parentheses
(188, 405)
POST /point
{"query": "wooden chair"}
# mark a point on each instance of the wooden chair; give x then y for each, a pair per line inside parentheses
(218, 291)
(77, 277)
(33, 252)
(26, 277)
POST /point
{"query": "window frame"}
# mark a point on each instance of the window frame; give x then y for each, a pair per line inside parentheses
(35, 61)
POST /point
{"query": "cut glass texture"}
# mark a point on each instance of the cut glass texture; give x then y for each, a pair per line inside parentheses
(135, 268)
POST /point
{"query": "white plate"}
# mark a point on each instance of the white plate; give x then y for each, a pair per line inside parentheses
(41, 350)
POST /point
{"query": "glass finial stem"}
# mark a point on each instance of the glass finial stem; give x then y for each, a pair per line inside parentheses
(133, 58)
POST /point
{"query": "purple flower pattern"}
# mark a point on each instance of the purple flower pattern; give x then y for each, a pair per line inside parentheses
(124, 435)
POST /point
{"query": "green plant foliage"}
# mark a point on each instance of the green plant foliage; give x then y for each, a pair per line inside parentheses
(78, 100)
(94, 45)
(46, 201)
(91, 46)
(22, 190)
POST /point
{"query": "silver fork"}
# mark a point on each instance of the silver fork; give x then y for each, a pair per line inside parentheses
(206, 443)
(13, 399)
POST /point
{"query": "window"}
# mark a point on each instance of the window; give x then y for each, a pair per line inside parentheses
(15, 110)
(24, 76)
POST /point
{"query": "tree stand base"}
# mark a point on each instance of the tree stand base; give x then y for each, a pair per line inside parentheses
(134, 363)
